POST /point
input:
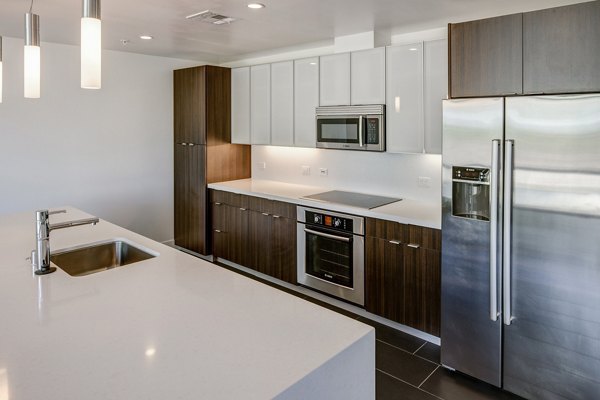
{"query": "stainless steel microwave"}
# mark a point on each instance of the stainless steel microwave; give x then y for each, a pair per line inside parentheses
(351, 127)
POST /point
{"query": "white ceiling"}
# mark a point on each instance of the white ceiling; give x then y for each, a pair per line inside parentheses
(283, 23)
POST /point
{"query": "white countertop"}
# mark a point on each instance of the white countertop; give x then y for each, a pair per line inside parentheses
(407, 211)
(172, 327)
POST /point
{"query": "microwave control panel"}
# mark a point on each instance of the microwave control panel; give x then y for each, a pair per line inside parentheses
(329, 221)
(372, 130)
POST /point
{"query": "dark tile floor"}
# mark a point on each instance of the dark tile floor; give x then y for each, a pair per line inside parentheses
(408, 368)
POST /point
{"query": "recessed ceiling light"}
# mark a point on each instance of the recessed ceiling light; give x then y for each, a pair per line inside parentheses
(146, 37)
(256, 5)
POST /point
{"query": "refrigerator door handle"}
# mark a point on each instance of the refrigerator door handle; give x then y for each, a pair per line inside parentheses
(507, 233)
(495, 178)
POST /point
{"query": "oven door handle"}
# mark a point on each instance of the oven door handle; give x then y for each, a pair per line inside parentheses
(327, 235)
(360, 131)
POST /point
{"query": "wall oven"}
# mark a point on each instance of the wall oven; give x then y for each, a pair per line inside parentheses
(351, 127)
(331, 253)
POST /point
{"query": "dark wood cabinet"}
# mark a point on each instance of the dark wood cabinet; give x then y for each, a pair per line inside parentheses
(561, 49)
(550, 51)
(202, 150)
(284, 255)
(189, 193)
(230, 231)
(486, 57)
(384, 287)
(402, 274)
(256, 233)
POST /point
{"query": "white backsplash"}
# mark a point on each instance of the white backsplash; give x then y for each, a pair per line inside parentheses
(368, 172)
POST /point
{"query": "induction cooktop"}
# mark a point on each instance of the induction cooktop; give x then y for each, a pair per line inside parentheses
(360, 200)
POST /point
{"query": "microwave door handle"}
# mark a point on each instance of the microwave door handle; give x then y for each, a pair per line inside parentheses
(360, 131)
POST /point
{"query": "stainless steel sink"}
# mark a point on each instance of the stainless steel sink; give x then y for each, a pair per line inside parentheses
(98, 257)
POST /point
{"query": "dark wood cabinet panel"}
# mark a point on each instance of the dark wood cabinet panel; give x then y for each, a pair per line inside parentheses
(260, 241)
(384, 279)
(189, 105)
(230, 228)
(190, 197)
(422, 289)
(232, 199)
(386, 229)
(486, 57)
(284, 257)
(561, 49)
(425, 237)
(202, 117)
(228, 162)
(402, 274)
(218, 91)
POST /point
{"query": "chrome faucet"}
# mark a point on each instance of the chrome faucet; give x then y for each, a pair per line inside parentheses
(41, 256)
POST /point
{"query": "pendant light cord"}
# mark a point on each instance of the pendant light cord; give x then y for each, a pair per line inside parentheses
(30, 6)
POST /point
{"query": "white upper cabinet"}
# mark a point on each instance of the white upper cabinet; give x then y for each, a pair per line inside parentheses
(240, 105)
(368, 76)
(334, 80)
(435, 90)
(404, 104)
(282, 103)
(306, 100)
(260, 104)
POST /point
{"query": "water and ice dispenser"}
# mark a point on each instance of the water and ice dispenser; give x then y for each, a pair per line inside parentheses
(471, 193)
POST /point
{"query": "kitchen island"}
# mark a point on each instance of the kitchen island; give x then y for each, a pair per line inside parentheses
(171, 327)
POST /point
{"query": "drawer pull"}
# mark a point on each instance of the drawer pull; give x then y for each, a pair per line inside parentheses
(217, 231)
(414, 246)
(395, 242)
(276, 216)
(265, 214)
(242, 209)
(217, 204)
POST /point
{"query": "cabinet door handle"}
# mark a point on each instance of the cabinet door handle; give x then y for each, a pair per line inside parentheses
(217, 231)
(413, 245)
(395, 242)
(217, 204)
(184, 144)
(276, 216)
(242, 209)
(265, 214)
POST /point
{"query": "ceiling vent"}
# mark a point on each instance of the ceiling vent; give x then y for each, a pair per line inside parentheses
(211, 18)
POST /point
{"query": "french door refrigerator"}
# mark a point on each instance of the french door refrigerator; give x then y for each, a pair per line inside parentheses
(521, 243)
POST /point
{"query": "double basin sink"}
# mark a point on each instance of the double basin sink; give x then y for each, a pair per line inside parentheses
(99, 257)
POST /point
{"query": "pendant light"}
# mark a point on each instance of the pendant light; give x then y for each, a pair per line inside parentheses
(91, 45)
(0, 69)
(32, 55)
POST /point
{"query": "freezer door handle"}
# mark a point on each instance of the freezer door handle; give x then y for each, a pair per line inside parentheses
(494, 182)
(507, 232)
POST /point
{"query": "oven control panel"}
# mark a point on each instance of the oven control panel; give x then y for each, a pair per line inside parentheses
(329, 221)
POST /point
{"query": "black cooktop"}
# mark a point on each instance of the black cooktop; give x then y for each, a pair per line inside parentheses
(352, 199)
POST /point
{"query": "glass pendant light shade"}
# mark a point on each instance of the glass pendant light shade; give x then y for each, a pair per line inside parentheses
(32, 56)
(91, 45)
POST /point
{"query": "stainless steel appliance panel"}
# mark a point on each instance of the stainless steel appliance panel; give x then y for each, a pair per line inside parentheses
(471, 338)
(552, 336)
(353, 238)
(351, 127)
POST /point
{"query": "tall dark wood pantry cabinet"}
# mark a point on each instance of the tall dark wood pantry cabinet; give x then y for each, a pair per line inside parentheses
(203, 152)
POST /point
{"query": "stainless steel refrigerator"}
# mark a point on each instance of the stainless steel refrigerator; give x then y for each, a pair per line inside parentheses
(521, 243)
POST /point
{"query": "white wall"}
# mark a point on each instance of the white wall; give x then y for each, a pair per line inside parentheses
(375, 173)
(108, 152)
